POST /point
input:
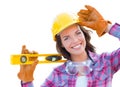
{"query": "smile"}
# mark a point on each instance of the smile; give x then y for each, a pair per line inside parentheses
(77, 46)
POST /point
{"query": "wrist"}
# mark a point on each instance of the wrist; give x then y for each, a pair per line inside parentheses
(108, 28)
(23, 82)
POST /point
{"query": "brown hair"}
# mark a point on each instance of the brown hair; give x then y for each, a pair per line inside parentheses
(65, 53)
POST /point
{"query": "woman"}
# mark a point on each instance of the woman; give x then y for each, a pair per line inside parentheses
(84, 67)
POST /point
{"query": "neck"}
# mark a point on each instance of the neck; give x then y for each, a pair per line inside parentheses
(80, 58)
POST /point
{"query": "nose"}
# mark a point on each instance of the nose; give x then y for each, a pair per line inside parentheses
(75, 39)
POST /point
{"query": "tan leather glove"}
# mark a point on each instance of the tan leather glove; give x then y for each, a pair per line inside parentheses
(26, 71)
(91, 18)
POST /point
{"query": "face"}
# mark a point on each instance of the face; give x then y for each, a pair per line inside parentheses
(73, 40)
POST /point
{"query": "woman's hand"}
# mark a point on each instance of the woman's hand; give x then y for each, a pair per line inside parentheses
(26, 71)
(91, 18)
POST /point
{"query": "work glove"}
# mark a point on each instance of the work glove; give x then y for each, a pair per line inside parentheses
(91, 18)
(26, 71)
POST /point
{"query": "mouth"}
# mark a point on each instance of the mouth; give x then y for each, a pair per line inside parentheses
(76, 46)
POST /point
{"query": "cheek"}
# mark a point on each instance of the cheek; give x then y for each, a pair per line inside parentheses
(65, 44)
(84, 42)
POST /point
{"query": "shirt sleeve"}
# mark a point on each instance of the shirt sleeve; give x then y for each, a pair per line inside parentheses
(115, 55)
(27, 84)
(49, 82)
(115, 30)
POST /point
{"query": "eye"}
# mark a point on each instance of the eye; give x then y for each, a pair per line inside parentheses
(65, 38)
(78, 33)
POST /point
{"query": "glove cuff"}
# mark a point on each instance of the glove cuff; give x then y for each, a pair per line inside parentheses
(101, 27)
(24, 78)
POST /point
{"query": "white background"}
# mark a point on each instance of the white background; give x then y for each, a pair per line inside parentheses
(29, 22)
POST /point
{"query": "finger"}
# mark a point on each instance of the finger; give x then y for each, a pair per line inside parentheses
(34, 52)
(26, 51)
(83, 17)
(82, 11)
(35, 63)
(33, 58)
(90, 8)
(85, 23)
(23, 48)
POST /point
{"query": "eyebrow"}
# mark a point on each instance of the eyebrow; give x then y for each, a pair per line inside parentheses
(75, 32)
(65, 36)
(78, 29)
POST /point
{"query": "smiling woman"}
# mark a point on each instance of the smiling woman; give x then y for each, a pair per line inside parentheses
(29, 21)
(73, 43)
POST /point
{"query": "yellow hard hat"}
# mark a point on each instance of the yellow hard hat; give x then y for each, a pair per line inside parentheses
(62, 21)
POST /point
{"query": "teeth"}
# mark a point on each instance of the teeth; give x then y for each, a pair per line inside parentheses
(77, 46)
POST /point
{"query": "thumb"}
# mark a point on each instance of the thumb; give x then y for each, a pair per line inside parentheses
(87, 24)
(90, 8)
(35, 63)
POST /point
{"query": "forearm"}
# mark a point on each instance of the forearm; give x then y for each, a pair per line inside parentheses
(27, 84)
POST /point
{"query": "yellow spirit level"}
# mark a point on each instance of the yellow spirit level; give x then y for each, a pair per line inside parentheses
(29, 58)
